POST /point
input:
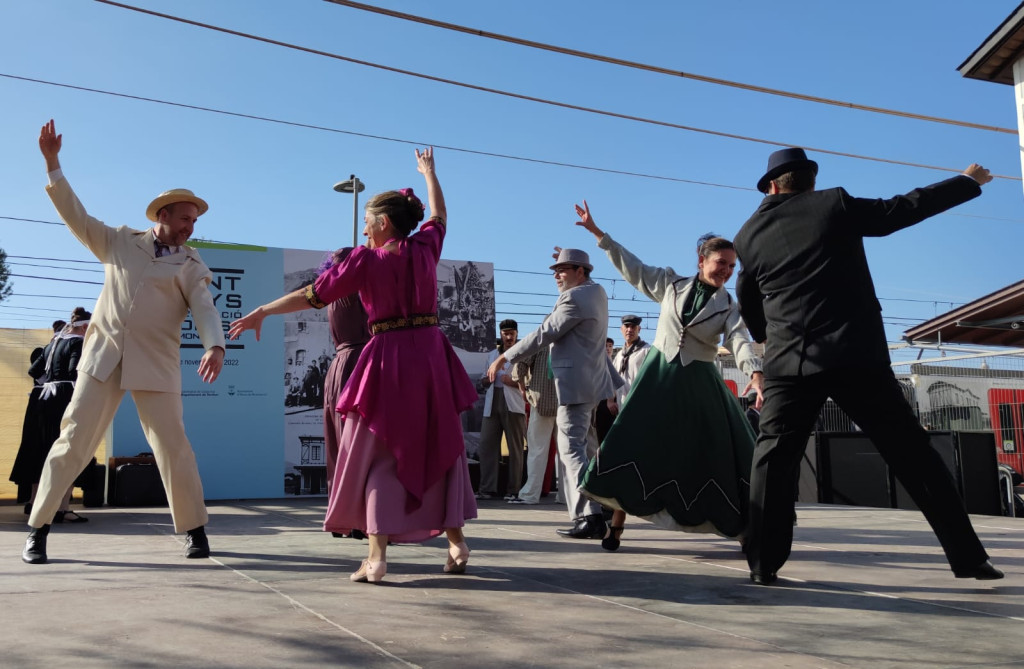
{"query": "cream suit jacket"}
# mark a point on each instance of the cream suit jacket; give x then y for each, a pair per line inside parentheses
(138, 316)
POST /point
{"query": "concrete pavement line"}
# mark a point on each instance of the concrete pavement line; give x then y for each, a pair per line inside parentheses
(296, 603)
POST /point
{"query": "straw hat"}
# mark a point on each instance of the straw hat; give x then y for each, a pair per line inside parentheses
(172, 196)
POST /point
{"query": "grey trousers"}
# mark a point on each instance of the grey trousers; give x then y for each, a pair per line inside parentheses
(576, 439)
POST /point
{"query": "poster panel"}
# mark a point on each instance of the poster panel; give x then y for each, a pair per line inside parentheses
(258, 430)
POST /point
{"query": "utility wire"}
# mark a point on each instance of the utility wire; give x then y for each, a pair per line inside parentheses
(353, 133)
(68, 269)
(520, 96)
(51, 278)
(658, 69)
(53, 297)
(88, 262)
(650, 308)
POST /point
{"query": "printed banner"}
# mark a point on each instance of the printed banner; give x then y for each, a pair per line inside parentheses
(257, 431)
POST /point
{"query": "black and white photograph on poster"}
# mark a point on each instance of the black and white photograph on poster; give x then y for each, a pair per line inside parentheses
(465, 310)
(465, 304)
(466, 313)
(308, 352)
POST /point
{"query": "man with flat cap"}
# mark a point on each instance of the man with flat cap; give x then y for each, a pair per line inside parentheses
(630, 357)
(806, 291)
(575, 332)
(152, 280)
(504, 413)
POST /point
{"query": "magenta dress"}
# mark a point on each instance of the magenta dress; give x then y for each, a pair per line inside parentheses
(401, 468)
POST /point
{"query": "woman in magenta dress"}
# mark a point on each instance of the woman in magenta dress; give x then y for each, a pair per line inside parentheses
(401, 473)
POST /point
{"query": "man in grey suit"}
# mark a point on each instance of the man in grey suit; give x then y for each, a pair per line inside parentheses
(575, 331)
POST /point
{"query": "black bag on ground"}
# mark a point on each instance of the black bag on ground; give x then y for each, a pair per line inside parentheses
(135, 481)
(91, 481)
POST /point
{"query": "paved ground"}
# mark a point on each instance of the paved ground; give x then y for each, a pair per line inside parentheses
(865, 588)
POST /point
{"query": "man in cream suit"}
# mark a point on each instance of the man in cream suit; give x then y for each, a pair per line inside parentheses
(575, 331)
(504, 413)
(151, 282)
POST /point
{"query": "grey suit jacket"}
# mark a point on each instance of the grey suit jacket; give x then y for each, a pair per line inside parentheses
(575, 331)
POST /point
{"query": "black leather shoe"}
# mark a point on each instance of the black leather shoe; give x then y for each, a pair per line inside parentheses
(591, 527)
(35, 545)
(763, 579)
(983, 572)
(196, 544)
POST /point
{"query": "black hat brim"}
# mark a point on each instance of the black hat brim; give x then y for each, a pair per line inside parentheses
(779, 170)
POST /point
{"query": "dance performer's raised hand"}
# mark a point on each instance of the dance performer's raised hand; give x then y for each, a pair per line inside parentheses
(587, 221)
(49, 145)
(978, 173)
(425, 160)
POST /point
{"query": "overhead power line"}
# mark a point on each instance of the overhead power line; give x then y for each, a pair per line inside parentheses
(495, 91)
(353, 133)
(660, 70)
(52, 278)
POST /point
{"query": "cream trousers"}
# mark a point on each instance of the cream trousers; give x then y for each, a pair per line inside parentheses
(87, 417)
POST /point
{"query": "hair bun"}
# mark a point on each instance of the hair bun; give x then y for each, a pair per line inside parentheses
(416, 207)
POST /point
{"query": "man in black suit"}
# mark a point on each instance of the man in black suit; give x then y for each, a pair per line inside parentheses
(805, 290)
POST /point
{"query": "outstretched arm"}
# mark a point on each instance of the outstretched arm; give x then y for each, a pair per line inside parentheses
(285, 304)
(49, 145)
(435, 198)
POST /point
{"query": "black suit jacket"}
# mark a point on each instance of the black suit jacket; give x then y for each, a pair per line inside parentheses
(805, 288)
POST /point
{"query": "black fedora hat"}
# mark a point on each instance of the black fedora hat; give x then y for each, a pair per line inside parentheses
(782, 161)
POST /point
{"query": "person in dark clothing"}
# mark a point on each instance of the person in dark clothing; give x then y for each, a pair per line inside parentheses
(54, 370)
(806, 291)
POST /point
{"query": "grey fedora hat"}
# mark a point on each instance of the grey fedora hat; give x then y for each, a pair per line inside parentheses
(573, 257)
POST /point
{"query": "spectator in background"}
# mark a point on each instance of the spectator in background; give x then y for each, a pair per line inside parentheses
(28, 463)
(629, 359)
(540, 392)
(504, 413)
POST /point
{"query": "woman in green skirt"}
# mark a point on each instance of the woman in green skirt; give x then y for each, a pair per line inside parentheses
(680, 450)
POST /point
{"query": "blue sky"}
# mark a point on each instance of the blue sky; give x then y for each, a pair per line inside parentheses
(270, 184)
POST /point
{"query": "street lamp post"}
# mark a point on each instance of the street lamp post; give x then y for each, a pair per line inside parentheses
(354, 186)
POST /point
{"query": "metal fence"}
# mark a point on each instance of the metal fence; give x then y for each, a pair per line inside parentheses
(954, 390)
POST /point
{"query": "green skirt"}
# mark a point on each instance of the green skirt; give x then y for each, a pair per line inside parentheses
(679, 452)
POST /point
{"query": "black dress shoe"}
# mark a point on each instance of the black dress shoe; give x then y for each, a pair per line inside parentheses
(983, 572)
(766, 578)
(35, 545)
(591, 527)
(196, 544)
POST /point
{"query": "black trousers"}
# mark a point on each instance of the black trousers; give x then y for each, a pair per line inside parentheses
(873, 399)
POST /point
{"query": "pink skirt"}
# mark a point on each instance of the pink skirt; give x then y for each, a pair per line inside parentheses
(367, 495)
